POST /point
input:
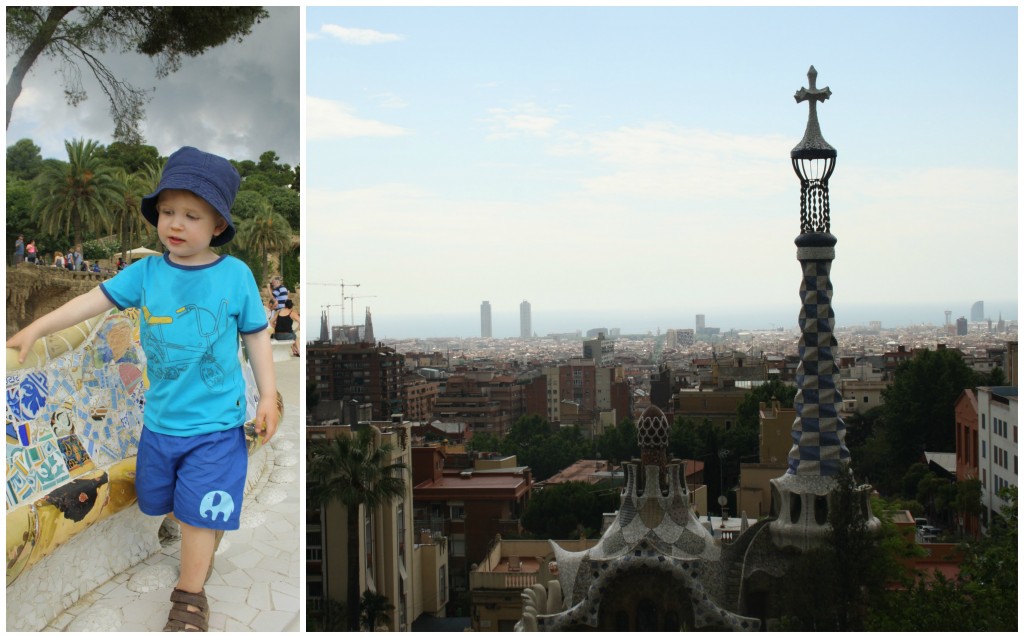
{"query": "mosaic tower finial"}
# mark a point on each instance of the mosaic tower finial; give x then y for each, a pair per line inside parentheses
(819, 433)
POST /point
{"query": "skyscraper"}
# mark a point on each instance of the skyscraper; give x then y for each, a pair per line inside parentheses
(978, 311)
(700, 323)
(525, 326)
(485, 320)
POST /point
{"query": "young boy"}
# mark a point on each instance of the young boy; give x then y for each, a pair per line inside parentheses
(194, 303)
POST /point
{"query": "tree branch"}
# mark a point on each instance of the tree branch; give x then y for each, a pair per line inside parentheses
(32, 52)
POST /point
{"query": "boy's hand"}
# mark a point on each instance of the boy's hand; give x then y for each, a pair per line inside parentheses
(267, 417)
(23, 341)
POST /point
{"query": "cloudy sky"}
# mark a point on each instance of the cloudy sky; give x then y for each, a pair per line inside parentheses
(630, 167)
(237, 100)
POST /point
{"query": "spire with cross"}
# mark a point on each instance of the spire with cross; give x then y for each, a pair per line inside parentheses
(813, 145)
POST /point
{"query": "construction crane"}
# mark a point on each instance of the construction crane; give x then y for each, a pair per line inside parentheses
(352, 308)
(342, 284)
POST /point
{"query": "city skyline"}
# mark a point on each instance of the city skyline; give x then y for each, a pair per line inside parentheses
(237, 100)
(637, 160)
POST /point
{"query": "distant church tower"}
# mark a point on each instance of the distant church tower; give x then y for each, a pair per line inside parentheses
(325, 333)
(368, 328)
(800, 498)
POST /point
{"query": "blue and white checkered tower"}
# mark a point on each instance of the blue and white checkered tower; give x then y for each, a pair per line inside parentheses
(800, 497)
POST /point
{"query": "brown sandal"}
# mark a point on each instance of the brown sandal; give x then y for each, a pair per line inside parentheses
(182, 618)
(218, 534)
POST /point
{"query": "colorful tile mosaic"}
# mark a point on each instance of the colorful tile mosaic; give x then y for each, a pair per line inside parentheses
(73, 426)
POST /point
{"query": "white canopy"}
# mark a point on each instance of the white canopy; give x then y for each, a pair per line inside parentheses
(142, 251)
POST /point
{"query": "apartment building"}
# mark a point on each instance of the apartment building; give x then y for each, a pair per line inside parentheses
(997, 440)
(468, 506)
(404, 566)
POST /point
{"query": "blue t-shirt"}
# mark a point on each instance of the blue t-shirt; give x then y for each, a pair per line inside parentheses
(189, 322)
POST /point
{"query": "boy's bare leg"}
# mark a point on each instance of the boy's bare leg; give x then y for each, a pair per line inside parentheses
(197, 546)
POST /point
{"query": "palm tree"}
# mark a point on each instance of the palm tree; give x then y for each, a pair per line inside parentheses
(126, 216)
(355, 472)
(374, 610)
(75, 197)
(264, 232)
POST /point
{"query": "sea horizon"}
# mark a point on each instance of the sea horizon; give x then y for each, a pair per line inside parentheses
(506, 324)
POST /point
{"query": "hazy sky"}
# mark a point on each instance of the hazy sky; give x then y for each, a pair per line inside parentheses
(635, 162)
(236, 100)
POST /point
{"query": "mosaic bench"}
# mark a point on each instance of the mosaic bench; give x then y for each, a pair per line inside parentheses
(74, 415)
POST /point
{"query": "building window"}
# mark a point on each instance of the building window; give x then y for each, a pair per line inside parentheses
(458, 511)
(368, 544)
(984, 449)
(458, 544)
(865, 399)
(314, 594)
(401, 532)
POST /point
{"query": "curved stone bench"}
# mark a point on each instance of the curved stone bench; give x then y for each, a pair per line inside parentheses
(74, 416)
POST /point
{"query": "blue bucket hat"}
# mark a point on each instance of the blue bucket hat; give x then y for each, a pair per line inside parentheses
(206, 175)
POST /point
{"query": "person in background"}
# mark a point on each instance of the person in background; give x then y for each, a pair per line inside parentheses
(286, 324)
(19, 250)
(278, 291)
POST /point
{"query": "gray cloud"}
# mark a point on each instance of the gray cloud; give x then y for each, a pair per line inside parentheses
(237, 100)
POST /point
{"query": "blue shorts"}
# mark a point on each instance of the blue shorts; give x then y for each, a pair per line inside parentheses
(199, 478)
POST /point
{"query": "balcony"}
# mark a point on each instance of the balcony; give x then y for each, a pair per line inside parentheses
(501, 580)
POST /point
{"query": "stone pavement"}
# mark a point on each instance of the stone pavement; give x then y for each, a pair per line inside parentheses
(255, 581)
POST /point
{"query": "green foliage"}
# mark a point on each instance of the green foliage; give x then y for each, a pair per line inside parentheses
(567, 510)
(618, 444)
(847, 574)
(265, 232)
(332, 617)
(286, 202)
(983, 597)
(24, 160)
(537, 445)
(99, 191)
(75, 197)
(132, 158)
(918, 406)
(99, 249)
(722, 451)
(354, 472)
(995, 378)
(374, 610)
(290, 269)
(748, 411)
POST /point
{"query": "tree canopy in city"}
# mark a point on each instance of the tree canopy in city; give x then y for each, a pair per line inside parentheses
(567, 510)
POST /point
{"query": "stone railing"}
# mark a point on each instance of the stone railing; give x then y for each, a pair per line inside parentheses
(74, 415)
(501, 580)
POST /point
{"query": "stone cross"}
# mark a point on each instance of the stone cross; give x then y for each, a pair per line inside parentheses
(812, 94)
(813, 142)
